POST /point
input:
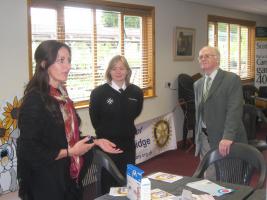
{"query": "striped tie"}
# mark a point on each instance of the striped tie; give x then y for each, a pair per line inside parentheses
(206, 88)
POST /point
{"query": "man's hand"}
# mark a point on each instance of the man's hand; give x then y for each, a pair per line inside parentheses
(224, 147)
(107, 146)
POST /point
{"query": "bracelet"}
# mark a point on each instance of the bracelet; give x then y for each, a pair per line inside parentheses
(68, 152)
(91, 139)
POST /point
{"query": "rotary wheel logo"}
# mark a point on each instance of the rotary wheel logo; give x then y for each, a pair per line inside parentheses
(162, 132)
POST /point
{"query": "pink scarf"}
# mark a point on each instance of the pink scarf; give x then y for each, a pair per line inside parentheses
(71, 126)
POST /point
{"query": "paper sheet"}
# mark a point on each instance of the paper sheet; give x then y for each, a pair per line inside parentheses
(161, 176)
(118, 191)
(158, 194)
(209, 187)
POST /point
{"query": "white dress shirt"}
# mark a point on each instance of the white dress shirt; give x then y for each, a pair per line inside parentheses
(116, 87)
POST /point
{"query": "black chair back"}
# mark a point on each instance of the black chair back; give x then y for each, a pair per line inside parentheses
(185, 87)
(248, 92)
(237, 167)
(263, 91)
(186, 95)
(186, 99)
(92, 180)
(250, 115)
(249, 120)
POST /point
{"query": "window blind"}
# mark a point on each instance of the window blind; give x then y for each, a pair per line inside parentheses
(97, 31)
(235, 40)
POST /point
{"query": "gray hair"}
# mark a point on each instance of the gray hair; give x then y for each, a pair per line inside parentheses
(215, 50)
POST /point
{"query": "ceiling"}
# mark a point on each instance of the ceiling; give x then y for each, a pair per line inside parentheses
(250, 6)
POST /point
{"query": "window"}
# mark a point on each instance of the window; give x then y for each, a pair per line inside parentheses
(235, 40)
(96, 32)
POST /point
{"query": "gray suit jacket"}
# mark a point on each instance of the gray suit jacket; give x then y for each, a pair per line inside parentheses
(223, 110)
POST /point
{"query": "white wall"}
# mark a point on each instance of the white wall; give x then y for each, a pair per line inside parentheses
(169, 14)
(13, 47)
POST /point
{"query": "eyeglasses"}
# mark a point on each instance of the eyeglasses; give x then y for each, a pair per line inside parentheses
(205, 56)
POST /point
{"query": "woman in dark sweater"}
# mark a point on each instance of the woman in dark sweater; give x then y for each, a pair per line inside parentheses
(49, 149)
(113, 108)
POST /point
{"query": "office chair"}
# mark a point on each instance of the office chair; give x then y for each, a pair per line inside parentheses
(262, 91)
(249, 92)
(91, 182)
(249, 120)
(237, 167)
(186, 99)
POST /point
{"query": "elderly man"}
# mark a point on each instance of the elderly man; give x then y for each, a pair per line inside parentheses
(219, 106)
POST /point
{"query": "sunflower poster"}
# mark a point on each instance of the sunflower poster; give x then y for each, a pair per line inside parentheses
(8, 136)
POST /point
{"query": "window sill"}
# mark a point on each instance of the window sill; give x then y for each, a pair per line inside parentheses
(85, 104)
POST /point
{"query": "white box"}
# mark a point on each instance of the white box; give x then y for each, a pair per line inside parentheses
(138, 188)
(145, 189)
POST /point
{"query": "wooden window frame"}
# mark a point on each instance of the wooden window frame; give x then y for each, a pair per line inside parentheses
(127, 9)
(251, 37)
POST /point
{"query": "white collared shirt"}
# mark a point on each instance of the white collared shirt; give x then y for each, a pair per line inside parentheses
(116, 87)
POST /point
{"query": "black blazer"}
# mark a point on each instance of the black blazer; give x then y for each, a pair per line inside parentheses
(40, 176)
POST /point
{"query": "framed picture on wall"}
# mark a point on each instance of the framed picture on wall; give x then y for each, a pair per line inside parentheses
(184, 43)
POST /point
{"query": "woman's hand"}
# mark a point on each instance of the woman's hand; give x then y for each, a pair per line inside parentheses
(80, 148)
(107, 146)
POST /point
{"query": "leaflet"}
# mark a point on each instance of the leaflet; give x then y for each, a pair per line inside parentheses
(158, 194)
(209, 187)
(118, 191)
(161, 176)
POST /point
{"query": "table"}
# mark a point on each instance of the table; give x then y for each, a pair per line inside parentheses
(258, 195)
(177, 187)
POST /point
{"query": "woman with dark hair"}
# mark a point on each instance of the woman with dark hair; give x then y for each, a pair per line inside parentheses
(49, 149)
(113, 108)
